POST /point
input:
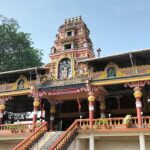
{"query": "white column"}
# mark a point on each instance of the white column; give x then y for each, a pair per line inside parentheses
(78, 144)
(142, 142)
(91, 142)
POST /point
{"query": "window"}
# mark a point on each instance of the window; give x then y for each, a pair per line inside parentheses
(67, 46)
(69, 33)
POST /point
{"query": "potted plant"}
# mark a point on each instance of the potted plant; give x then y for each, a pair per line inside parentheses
(21, 128)
(102, 122)
(127, 121)
(16, 128)
(13, 128)
(96, 125)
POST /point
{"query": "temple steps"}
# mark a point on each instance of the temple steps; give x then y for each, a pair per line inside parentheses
(46, 140)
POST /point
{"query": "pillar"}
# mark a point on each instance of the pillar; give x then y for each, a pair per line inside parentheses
(36, 104)
(91, 99)
(52, 112)
(142, 142)
(2, 108)
(78, 144)
(138, 95)
(91, 142)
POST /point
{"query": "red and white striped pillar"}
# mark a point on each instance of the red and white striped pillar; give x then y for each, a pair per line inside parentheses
(2, 108)
(138, 95)
(36, 105)
(91, 99)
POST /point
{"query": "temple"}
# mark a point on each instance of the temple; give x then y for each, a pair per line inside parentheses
(77, 101)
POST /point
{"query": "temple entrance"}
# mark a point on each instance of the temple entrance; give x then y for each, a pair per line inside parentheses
(68, 111)
(63, 124)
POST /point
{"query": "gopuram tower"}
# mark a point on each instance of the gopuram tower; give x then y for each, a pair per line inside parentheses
(72, 44)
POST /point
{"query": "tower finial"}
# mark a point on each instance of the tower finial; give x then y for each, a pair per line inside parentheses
(76, 19)
(73, 19)
(69, 20)
(65, 21)
(80, 18)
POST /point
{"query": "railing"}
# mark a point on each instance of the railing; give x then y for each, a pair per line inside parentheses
(66, 136)
(24, 145)
(146, 121)
(17, 128)
(111, 123)
(114, 123)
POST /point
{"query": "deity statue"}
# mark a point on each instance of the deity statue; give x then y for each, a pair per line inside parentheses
(20, 84)
(64, 70)
(111, 72)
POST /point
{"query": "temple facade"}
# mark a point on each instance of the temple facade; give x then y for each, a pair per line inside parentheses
(99, 102)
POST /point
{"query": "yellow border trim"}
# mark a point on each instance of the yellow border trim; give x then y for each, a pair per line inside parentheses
(16, 93)
(118, 81)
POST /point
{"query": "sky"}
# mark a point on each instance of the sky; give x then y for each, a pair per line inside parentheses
(116, 26)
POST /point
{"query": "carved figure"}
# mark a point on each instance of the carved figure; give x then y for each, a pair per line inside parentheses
(20, 84)
(64, 70)
(111, 72)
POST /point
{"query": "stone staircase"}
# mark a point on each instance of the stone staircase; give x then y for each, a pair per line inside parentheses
(46, 140)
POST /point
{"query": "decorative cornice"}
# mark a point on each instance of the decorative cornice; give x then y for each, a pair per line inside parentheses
(16, 93)
(120, 80)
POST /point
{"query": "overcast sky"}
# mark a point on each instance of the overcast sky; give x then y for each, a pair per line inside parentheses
(116, 26)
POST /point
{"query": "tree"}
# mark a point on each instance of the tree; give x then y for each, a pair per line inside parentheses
(16, 50)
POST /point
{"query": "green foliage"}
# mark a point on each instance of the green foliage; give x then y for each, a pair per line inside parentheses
(102, 121)
(17, 127)
(16, 50)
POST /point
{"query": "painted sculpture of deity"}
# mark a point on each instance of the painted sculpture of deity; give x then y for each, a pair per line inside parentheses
(20, 84)
(64, 70)
(111, 72)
